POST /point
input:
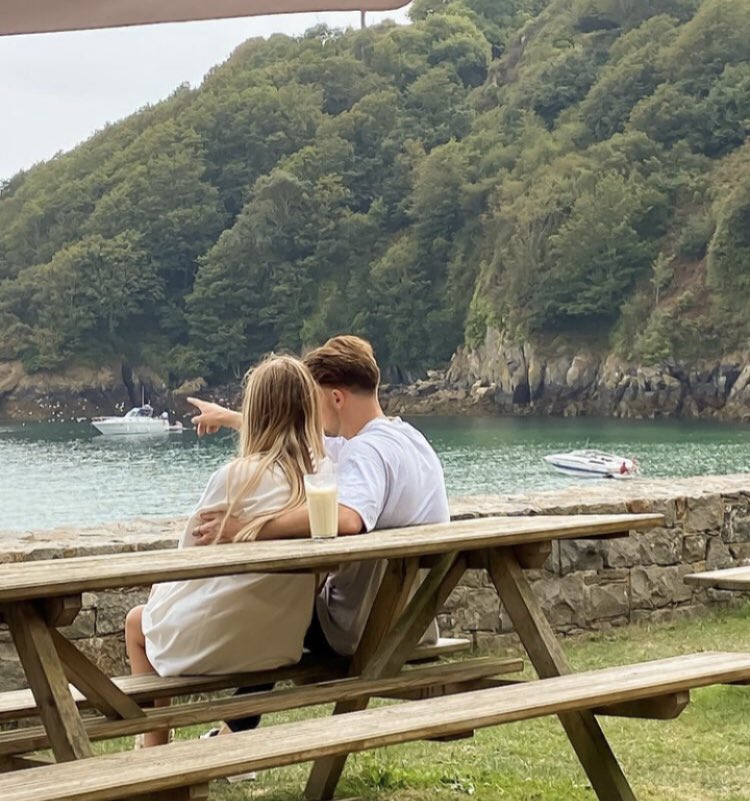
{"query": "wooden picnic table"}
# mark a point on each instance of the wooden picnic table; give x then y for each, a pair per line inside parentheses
(731, 578)
(37, 598)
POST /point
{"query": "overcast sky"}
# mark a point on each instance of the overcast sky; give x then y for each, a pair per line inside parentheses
(56, 89)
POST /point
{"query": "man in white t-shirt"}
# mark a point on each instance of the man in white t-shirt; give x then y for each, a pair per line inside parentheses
(388, 477)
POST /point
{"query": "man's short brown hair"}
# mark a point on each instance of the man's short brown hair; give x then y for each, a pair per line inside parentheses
(345, 361)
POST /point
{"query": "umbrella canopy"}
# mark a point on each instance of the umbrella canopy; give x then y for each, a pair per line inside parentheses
(41, 16)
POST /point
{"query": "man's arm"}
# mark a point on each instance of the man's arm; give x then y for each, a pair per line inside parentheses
(212, 417)
(296, 524)
(292, 525)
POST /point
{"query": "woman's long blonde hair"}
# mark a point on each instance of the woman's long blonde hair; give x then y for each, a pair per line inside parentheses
(282, 428)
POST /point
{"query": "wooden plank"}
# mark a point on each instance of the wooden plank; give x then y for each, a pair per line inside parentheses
(532, 556)
(439, 690)
(325, 773)
(733, 578)
(390, 655)
(61, 611)
(410, 574)
(48, 683)
(547, 657)
(8, 763)
(438, 679)
(387, 601)
(424, 606)
(117, 776)
(664, 707)
(17, 704)
(49, 578)
(445, 646)
(98, 689)
(196, 792)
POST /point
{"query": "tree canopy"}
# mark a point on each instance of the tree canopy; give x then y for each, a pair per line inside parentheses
(552, 168)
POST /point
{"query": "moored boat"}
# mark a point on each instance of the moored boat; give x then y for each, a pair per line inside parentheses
(138, 421)
(592, 464)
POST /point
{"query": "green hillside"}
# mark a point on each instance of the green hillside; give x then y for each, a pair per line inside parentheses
(573, 169)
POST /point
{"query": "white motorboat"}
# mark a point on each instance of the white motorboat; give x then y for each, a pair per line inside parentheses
(592, 464)
(138, 421)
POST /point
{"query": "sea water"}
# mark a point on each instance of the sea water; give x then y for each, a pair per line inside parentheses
(55, 475)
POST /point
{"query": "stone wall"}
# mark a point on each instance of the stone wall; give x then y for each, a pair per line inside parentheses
(585, 585)
(590, 585)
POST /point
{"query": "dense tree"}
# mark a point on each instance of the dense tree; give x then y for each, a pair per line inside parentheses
(553, 168)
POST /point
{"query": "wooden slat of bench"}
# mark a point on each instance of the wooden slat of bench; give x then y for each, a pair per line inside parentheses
(48, 578)
(16, 704)
(662, 707)
(453, 675)
(181, 764)
(733, 578)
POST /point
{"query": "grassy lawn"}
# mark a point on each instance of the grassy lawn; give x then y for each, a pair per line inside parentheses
(704, 755)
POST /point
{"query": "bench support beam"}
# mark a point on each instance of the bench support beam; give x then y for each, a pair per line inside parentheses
(62, 610)
(48, 683)
(9, 763)
(197, 792)
(547, 657)
(100, 691)
(664, 707)
(383, 653)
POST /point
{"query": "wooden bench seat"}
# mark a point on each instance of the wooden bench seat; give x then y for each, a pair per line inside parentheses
(731, 578)
(434, 680)
(16, 704)
(193, 764)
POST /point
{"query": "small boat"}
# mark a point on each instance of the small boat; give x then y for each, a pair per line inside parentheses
(593, 464)
(138, 421)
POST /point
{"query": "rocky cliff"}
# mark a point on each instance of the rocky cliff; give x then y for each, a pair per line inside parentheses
(83, 392)
(502, 377)
(497, 377)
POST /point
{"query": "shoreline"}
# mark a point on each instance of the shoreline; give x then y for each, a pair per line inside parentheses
(495, 378)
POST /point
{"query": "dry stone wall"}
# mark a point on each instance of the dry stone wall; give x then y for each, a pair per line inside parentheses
(585, 585)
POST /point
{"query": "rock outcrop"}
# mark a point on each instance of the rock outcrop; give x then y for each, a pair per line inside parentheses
(497, 377)
(502, 377)
(85, 392)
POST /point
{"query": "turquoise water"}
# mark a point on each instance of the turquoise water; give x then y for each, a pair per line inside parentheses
(65, 475)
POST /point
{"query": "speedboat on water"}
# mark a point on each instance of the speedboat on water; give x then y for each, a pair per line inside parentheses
(592, 464)
(138, 421)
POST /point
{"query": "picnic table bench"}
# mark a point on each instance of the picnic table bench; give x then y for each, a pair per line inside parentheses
(454, 699)
(730, 578)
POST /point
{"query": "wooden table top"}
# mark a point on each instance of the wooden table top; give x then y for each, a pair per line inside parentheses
(56, 577)
(733, 578)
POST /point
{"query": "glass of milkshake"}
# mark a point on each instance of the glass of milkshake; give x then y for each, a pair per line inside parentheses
(322, 501)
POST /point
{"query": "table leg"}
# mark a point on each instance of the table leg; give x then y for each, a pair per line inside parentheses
(547, 657)
(385, 647)
(48, 683)
(107, 697)
(384, 610)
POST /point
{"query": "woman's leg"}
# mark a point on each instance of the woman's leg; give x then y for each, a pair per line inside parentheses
(135, 644)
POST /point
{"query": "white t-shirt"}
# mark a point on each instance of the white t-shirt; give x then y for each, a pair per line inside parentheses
(390, 475)
(230, 624)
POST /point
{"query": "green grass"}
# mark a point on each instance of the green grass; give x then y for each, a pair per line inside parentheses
(704, 755)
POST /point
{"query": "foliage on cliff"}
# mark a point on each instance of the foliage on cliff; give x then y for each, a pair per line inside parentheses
(549, 167)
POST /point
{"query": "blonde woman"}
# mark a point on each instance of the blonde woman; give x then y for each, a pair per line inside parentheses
(235, 624)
